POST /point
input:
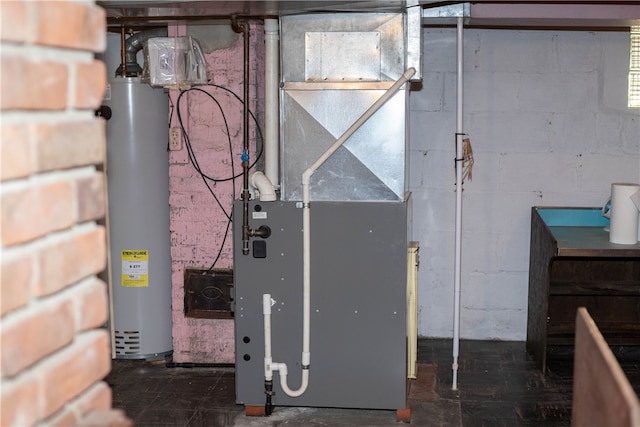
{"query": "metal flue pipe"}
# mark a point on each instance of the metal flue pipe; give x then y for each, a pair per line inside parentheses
(129, 66)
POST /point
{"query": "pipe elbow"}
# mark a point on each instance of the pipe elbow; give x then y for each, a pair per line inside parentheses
(303, 386)
(135, 44)
(409, 73)
(306, 176)
(280, 367)
(264, 186)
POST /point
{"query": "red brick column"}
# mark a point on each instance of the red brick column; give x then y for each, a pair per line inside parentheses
(54, 349)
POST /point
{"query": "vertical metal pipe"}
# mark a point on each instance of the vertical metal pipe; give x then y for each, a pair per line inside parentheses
(245, 112)
(246, 231)
(245, 146)
(458, 232)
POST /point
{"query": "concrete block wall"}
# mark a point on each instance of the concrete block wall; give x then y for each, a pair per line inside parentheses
(547, 117)
(198, 224)
(55, 351)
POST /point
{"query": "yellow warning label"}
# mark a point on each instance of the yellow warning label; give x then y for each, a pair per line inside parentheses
(135, 268)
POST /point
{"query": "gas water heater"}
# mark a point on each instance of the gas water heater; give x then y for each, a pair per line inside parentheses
(138, 221)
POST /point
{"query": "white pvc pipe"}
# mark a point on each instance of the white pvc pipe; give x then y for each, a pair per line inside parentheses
(271, 146)
(458, 232)
(266, 311)
(306, 243)
(282, 367)
(269, 365)
(266, 193)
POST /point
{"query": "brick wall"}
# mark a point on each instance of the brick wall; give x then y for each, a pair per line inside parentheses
(55, 351)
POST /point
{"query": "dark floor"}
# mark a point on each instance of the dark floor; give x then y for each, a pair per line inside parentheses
(498, 385)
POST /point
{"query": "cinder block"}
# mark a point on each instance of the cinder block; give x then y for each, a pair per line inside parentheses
(494, 92)
(515, 51)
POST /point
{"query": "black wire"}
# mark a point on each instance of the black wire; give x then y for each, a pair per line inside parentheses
(255, 120)
(226, 232)
(193, 159)
(224, 239)
(171, 108)
(196, 165)
(191, 365)
(191, 153)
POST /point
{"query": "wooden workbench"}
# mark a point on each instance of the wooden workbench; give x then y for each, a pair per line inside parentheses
(572, 264)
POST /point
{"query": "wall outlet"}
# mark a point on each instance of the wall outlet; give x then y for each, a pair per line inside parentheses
(175, 139)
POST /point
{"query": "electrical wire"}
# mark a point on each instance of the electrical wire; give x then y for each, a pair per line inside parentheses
(224, 239)
(255, 120)
(191, 153)
(194, 161)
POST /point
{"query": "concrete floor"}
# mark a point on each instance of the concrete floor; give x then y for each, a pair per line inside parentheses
(498, 385)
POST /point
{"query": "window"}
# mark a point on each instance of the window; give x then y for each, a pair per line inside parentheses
(634, 69)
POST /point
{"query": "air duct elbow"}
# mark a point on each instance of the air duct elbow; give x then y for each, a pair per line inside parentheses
(264, 186)
(133, 45)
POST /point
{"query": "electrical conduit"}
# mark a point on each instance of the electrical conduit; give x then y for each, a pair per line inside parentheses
(271, 366)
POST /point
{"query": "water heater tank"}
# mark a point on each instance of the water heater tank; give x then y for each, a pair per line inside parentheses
(138, 180)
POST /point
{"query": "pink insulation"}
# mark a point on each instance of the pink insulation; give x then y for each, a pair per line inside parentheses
(197, 222)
